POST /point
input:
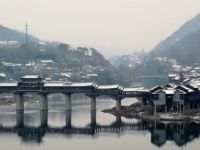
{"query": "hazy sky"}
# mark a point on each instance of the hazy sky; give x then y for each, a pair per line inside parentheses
(112, 26)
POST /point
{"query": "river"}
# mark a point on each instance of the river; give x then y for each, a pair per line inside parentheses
(89, 130)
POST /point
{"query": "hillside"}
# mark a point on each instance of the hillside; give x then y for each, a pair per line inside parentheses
(7, 34)
(183, 45)
(128, 60)
(52, 60)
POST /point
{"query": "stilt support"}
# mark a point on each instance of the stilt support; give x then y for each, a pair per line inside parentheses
(118, 104)
(93, 103)
(43, 102)
(68, 102)
(19, 101)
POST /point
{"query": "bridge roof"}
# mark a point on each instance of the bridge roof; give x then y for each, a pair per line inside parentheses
(68, 84)
(54, 84)
(81, 84)
(8, 84)
(30, 77)
(135, 89)
(107, 87)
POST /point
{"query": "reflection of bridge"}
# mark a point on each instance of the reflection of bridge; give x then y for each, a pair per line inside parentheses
(36, 133)
(179, 132)
(37, 85)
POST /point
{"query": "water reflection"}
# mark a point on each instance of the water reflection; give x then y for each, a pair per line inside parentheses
(66, 128)
(44, 118)
(20, 118)
(68, 119)
(179, 132)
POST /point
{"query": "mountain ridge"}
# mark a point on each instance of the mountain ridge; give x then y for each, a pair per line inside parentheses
(183, 44)
(7, 34)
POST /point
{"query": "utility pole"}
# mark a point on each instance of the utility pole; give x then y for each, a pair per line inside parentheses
(26, 28)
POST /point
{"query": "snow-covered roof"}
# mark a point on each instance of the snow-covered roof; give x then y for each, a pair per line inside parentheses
(180, 91)
(82, 84)
(2, 75)
(172, 75)
(133, 89)
(47, 61)
(57, 84)
(170, 85)
(192, 85)
(186, 88)
(68, 84)
(195, 82)
(169, 91)
(9, 84)
(166, 91)
(30, 77)
(54, 84)
(105, 87)
(186, 80)
(156, 88)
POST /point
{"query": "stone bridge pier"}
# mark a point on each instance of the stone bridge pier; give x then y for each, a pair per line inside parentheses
(118, 103)
(68, 104)
(93, 102)
(43, 101)
(19, 101)
(93, 117)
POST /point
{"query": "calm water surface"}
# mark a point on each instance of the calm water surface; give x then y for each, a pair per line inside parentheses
(53, 130)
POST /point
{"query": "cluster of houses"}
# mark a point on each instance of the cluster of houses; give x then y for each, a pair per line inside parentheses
(181, 98)
(9, 44)
(48, 69)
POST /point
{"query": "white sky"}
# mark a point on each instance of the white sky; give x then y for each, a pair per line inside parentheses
(111, 26)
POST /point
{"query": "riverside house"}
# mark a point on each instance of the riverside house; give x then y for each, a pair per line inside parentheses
(183, 98)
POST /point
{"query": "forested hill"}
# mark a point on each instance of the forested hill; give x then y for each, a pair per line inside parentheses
(80, 63)
(183, 45)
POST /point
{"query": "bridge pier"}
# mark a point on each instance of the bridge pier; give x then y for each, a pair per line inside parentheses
(20, 118)
(19, 101)
(118, 104)
(118, 119)
(68, 118)
(93, 117)
(68, 102)
(43, 102)
(44, 118)
(93, 103)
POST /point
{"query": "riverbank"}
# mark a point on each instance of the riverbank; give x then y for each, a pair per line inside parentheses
(138, 111)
